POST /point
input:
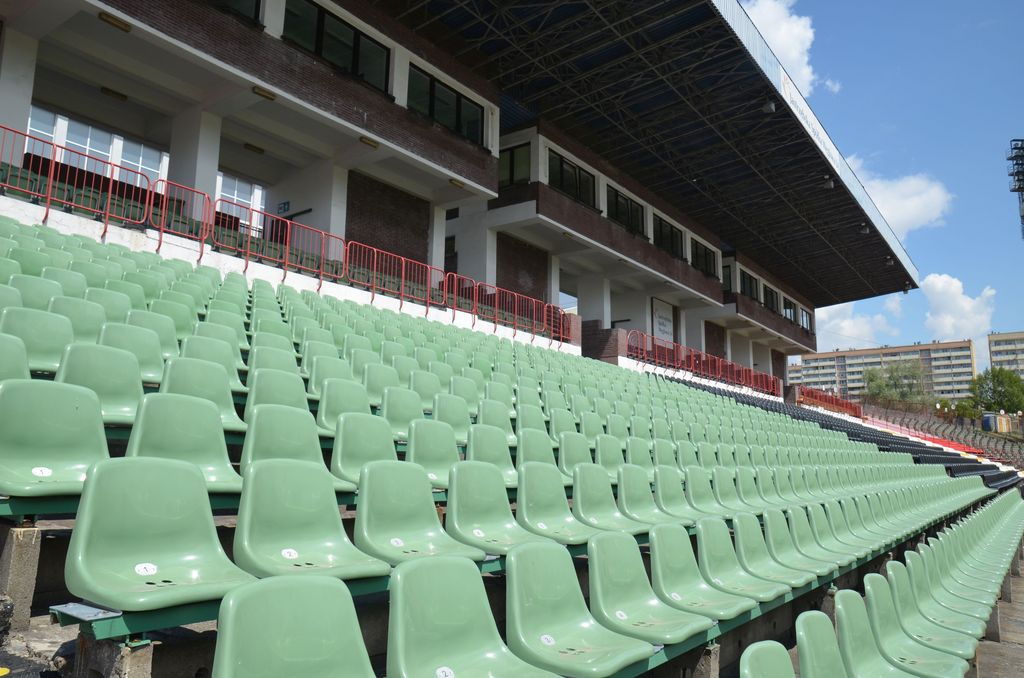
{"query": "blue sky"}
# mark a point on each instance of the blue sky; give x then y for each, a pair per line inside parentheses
(923, 97)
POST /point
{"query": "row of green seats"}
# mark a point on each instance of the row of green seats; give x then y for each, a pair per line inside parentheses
(923, 618)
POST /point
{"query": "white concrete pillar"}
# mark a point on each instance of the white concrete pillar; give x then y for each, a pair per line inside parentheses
(273, 17)
(594, 296)
(399, 77)
(738, 348)
(435, 237)
(694, 328)
(17, 76)
(478, 253)
(554, 279)
(195, 150)
(762, 357)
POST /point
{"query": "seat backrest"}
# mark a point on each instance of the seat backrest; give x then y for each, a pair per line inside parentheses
(266, 357)
(28, 437)
(715, 551)
(115, 304)
(13, 358)
(494, 413)
(616, 572)
(199, 379)
(174, 426)
(431, 443)
(269, 385)
(36, 292)
(673, 565)
(216, 351)
(534, 445)
(360, 438)
(269, 340)
(312, 616)
(476, 496)
(45, 334)
(87, 317)
(766, 659)
(573, 449)
(817, 647)
(141, 342)
(73, 284)
(395, 498)
(608, 452)
(327, 367)
(132, 290)
(857, 644)
(111, 373)
(488, 444)
(439, 609)
(280, 432)
(159, 323)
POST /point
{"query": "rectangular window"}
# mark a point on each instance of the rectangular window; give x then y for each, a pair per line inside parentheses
(669, 238)
(771, 299)
(805, 319)
(625, 211)
(87, 141)
(242, 194)
(250, 9)
(143, 159)
(316, 30)
(727, 278)
(41, 124)
(789, 310)
(749, 286)
(436, 100)
(514, 166)
(703, 258)
(570, 179)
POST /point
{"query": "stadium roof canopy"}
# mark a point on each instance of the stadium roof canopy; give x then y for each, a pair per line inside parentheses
(686, 97)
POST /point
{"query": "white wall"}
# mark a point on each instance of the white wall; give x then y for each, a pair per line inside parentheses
(632, 307)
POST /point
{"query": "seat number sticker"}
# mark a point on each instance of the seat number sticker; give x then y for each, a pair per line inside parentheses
(444, 672)
(675, 596)
(478, 533)
(42, 472)
(290, 554)
(542, 526)
(547, 640)
(398, 543)
(619, 614)
(145, 569)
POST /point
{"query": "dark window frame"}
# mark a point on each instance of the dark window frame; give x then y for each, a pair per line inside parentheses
(701, 255)
(806, 321)
(750, 286)
(357, 37)
(559, 186)
(727, 277)
(773, 295)
(511, 181)
(676, 245)
(460, 100)
(633, 209)
(789, 310)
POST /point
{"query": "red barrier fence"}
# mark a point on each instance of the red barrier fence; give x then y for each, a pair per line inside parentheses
(48, 174)
(643, 347)
(816, 398)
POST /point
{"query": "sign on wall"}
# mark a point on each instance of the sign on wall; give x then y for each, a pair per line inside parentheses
(663, 320)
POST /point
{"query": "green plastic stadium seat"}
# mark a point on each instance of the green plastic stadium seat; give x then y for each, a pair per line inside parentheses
(621, 597)
(401, 407)
(72, 283)
(282, 432)
(914, 623)
(290, 626)
(360, 438)
(478, 510)
(133, 291)
(266, 357)
(339, 396)
(542, 508)
(453, 411)
(9, 296)
(594, 502)
(268, 385)
(536, 446)
(203, 379)
(183, 317)
(326, 367)
(818, 648)
(232, 321)
(636, 501)
(176, 560)
(669, 495)
(376, 378)
(36, 292)
(142, 342)
(780, 545)
(547, 620)
(489, 444)
(572, 450)
(162, 325)
(215, 351)
(857, 643)
(677, 580)
(396, 520)
(8, 267)
(111, 373)
(404, 366)
(720, 567)
(803, 537)
(431, 445)
(495, 413)
(13, 358)
(941, 606)
(288, 523)
(427, 385)
(150, 283)
(32, 262)
(440, 624)
(174, 426)
(753, 555)
(44, 334)
(87, 318)
(38, 458)
(766, 659)
(115, 304)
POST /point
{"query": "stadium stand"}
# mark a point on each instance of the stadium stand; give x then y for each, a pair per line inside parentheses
(646, 462)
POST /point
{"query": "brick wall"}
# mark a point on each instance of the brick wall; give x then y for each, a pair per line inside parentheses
(714, 339)
(779, 364)
(385, 217)
(287, 69)
(606, 345)
(522, 268)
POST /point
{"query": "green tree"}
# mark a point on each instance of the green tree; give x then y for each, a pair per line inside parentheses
(998, 389)
(900, 381)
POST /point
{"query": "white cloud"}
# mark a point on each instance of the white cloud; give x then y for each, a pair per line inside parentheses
(790, 37)
(953, 314)
(894, 305)
(908, 202)
(841, 327)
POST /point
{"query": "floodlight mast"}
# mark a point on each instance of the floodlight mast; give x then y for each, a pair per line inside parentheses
(1015, 170)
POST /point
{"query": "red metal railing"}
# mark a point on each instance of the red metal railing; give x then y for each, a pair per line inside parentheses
(643, 347)
(53, 175)
(816, 398)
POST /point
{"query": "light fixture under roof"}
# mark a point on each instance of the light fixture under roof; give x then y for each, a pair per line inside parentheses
(864, 228)
(115, 21)
(263, 92)
(768, 107)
